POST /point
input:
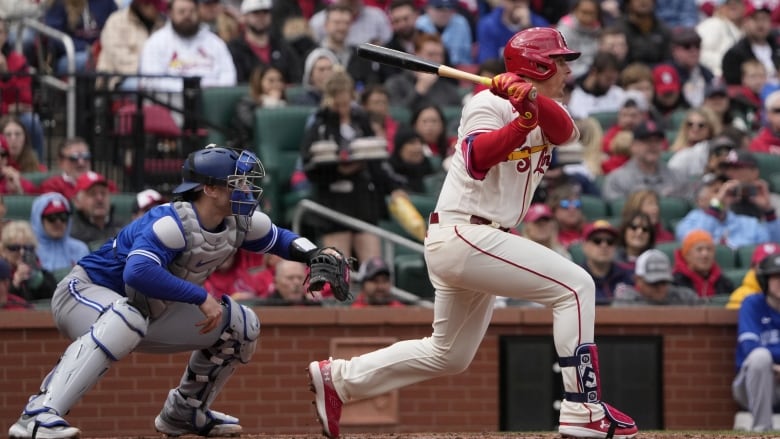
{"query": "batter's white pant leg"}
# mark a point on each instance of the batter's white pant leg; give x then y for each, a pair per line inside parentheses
(186, 409)
(114, 335)
(754, 387)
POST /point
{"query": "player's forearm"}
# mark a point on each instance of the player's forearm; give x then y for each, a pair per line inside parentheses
(556, 123)
(485, 150)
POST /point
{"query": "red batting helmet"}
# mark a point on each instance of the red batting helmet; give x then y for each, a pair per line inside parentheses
(530, 52)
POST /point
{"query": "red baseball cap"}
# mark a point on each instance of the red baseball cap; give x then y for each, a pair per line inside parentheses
(666, 79)
(599, 226)
(56, 206)
(89, 179)
(538, 211)
(762, 251)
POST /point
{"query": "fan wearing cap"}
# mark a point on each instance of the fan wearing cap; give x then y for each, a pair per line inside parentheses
(645, 169)
(750, 283)
(653, 284)
(713, 213)
(93, 220)
(767, 140)
(375, 285)
(145, 201)
(695, 266)
(755, 387)
(259, 46)
(694, 77)
(11, 180)
(758, 43)
(753, 197)
(50, 218)
(668, 96)
(540, 227)
(123, 37)
(74, 159)
(599, 246)
(143, 291)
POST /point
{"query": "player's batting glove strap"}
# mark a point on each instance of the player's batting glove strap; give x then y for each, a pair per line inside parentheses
(325, 267)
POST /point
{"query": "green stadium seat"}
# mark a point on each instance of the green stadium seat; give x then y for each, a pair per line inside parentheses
(218, 106)
(123, 203)
(606, 118)
(411, 274)
(668, 248)
(577, 254)
(402, 115)
(735, 275)
(666, 155)
(452, 113)
(37, 178)
(673, 208)
(725, 257)
(425, 204)
(433, 183)
(294, 92)
(594, 207)
(278, 136)
(18, 207)
(744, 255)
(768, 166)
(616, 206)
(774, 182)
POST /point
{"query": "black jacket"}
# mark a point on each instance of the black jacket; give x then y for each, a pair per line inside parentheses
(741, 52)
(283, 57)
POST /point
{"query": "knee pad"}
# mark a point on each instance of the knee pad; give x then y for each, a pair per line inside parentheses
(243, 329)
(119, 330)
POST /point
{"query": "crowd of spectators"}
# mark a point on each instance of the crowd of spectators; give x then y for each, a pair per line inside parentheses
(674, 100)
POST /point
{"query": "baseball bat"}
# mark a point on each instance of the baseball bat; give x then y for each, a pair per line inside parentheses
(407, 61)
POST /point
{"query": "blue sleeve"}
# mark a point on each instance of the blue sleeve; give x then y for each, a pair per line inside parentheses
(277, 241)
(748, 329)
(696, 219)
(487, 48)
(150, 278)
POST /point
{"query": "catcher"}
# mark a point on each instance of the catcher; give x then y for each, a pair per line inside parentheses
(142, 291)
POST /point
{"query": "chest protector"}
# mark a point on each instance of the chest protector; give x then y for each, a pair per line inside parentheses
(204, 251)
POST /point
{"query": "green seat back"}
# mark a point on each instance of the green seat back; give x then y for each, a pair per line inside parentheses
(18, 207)
(218, 107)
(673, 208)
(577, 254)
(616, 207)
(278, 136)
(452, 113)
(745, 254)
(411, 275)
(606, 118)
(725, 257)
(735, 275)
(594, 207)
(768, 166)
(668, 248)
(402, 115)
(293, 92)
(37, 178)
(123, 203)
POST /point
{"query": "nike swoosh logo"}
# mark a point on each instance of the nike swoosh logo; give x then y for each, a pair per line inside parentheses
(202, 263)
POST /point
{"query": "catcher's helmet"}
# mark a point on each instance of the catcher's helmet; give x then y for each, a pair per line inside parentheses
(531, 52)
(240, 171)
(768, 266)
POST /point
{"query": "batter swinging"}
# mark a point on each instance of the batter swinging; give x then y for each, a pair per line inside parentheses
(504, 145)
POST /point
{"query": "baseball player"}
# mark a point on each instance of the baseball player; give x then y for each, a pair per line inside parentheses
(142, 291)
(504, 146)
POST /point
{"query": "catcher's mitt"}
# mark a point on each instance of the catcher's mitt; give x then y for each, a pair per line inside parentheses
(325, 267)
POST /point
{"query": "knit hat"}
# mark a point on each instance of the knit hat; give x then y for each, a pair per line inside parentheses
(697, 236)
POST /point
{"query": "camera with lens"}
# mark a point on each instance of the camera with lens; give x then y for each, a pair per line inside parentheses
(36, 275)
(744, 190)
(30, 258)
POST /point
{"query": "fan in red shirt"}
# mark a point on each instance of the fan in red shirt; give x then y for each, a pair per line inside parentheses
(375, 285)
(11, 181)
(244, 276)
(9, 301)
(74, 160)
(768, 138)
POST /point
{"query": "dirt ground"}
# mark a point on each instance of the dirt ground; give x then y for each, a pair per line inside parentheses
(489, 435)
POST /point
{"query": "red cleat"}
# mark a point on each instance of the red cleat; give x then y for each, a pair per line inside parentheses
(326, 400)
(614, 425)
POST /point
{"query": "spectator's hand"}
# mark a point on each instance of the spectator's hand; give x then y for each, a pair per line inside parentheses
(213, 312)
(761, 199)
(424, 82)
(522, 15)
(13, 179)
(22, 273)
(728, 191)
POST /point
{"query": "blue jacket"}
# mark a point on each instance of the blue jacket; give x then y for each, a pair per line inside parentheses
(758, 325)
(735, 230)
(55, 254)
(492, 34)
(456, 37)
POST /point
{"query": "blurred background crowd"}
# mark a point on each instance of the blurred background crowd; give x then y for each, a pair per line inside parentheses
(668, 198)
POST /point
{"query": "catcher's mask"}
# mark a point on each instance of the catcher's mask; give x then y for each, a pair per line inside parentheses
(240, 171)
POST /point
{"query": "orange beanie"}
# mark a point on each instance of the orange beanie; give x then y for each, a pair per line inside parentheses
(695, 237)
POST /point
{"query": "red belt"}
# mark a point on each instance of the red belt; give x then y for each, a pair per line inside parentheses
(434, 219)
